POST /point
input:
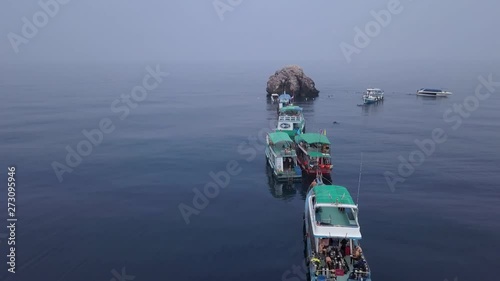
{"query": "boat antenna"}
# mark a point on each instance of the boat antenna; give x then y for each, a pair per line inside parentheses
(359, 179)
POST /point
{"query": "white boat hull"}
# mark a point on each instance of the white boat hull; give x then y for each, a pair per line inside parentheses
(433, 94)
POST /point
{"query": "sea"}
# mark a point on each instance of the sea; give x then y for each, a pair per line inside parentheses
(156, 171)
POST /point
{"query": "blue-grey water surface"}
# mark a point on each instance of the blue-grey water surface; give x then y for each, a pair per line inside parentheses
(120, 207)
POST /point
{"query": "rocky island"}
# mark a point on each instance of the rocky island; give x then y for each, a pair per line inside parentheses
(292, 80)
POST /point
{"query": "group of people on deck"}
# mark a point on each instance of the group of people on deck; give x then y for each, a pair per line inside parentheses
(334, 256)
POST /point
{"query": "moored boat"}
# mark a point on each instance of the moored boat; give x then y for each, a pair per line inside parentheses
(433, 93)
(333, 235)
(282, 157)
(291, 120)
(284, 100)
(313, 153)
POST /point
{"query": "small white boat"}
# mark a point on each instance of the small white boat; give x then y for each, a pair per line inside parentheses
(274, 97)
(373, 95)
(433, 93)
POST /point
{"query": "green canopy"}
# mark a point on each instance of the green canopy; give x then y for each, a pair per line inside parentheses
(332, 193)
(318, 154)
(312, 138)
(291, 108)
(277, 137)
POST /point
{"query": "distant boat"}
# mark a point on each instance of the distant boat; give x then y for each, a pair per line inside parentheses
(291, 121)
(332, 233)
(274, 97)
(284, 100)
(373, 95)
(313, 153)
(433, 93)
(282, 157)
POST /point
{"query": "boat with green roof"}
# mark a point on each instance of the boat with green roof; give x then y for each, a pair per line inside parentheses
(313, 153)
(282, 157)
(332, 230)
(291, 120)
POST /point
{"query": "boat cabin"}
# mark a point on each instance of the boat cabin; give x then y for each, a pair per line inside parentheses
(333, 235)
(291, 120)
(281, 156)
(313, 153)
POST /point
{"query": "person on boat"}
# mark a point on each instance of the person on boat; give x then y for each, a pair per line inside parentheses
(343, 245)
(330, 265)
(357, 255)
(313, 184)
(323, 246)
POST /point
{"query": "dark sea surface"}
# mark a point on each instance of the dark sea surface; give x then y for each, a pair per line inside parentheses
(119, 208)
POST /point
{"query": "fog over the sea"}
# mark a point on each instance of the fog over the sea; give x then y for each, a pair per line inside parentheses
(154, 30)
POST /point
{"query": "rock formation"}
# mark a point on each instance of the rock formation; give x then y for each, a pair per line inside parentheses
(293, 81)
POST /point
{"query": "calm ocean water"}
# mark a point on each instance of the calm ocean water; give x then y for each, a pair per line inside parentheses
(119, 208)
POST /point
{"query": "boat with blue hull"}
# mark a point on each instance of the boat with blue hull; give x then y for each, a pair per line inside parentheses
(333, 235)
(282, 158)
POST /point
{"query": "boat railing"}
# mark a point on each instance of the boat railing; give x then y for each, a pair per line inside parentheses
(289, 118)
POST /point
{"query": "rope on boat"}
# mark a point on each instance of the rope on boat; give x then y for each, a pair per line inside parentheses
(359, 179)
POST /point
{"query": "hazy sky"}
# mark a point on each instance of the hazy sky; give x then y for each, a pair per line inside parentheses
(154, 30)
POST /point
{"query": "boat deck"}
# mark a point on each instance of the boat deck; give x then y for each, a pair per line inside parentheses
(290, 118)
(284, 151)
(345, 277)
(335, 216)
(294, 174)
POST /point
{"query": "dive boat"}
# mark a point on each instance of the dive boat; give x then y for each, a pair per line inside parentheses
(291, 121)
(373, 95)
(433, 93)
(332, 235)
(282, 157)
(313, 153)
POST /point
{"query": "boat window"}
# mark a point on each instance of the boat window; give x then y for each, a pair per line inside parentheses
(332, 215)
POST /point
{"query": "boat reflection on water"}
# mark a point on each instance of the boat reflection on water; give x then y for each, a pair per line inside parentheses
(281, 190)
(374, 108)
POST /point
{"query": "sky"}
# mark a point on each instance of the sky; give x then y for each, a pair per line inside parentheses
(193, 30)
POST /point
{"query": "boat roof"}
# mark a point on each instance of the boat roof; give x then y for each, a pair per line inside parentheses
(312, 138)
(285, 97)
(291, 108)
(277, 137)
(318, 154)
(331, 194)
(430, 90)
(374, 89)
